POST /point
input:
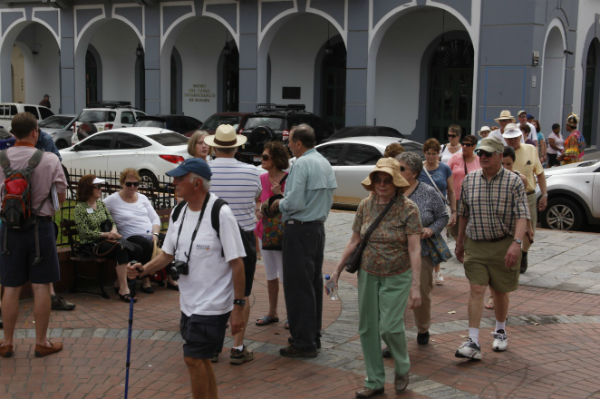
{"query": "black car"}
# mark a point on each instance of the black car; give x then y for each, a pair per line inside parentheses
(273, 122)
(183, 124)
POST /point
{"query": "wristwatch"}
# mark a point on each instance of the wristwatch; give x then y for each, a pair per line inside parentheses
(518, 241)
(239, 302)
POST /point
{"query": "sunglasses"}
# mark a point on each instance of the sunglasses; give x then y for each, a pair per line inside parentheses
(483, 153)
(452, 135)
(266, 157)
(130, 184)
(385, 181)
(468, 144)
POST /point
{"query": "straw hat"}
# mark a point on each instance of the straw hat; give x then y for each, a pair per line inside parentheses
(504, 115)
(390, 166)
(225, 138)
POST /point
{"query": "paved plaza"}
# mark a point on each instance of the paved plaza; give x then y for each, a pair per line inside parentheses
(553, 326)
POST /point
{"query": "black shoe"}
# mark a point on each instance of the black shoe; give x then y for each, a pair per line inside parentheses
(523, 262)
(423, 338)
(318, 342)
(60, 304)
(294, 352)
(366, 393)
(386, 353)
(147, 289)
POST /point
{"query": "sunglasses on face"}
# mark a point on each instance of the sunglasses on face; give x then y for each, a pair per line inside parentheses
(468, 144)
(130, 184)
(483, 153)
(266, 157)
(453, 136)
(384, 181)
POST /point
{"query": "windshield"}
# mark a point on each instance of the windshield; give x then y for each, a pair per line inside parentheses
(150, 123)
(274, 123)
(55, 121)
(97, 116)
(169, 139)
(215, 120)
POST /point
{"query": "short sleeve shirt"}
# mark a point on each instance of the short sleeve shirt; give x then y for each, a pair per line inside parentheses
(528, 163)
(386, 252)
(439, 175)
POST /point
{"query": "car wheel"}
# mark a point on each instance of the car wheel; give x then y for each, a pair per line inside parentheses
(562, 214)
(62, 144)
(148, 181)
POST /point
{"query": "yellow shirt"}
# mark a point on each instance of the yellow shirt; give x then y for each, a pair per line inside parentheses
(528, 163)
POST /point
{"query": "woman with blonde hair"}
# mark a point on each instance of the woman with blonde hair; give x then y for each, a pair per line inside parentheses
(196, 146)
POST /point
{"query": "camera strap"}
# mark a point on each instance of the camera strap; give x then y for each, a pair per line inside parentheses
(195, 229)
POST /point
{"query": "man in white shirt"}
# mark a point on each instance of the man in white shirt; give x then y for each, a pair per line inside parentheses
(504, 119)
(532, 137)
(212, 288)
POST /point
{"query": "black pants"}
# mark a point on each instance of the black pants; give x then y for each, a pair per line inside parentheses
(303, 246)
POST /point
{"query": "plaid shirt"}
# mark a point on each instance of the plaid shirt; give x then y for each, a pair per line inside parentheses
(492, 207)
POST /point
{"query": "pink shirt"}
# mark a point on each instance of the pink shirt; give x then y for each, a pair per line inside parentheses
(48, 171)
(264, 196)
(457, 165)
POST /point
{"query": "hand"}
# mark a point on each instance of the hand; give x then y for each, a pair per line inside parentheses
(236, 319)
(134, 270)
(530, 234)
(459, 251)
(275, 207)
(414, 298)
(275, 187)
(427, 233)
(452, 220)
(543, 203)
(335, 277)
(113, 236)
(154, 238)
(512, 254)
(259, 215)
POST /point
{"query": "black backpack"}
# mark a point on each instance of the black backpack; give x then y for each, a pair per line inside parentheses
(214, 220)
(17, 212)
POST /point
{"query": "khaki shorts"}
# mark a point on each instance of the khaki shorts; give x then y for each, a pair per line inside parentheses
(484, 264)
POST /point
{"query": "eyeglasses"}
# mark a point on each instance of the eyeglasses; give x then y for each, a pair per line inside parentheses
(483, 153)
(266, 157)
(452, 135)
(384, 181)
(468, 144)
(431, 153)
(130, 184)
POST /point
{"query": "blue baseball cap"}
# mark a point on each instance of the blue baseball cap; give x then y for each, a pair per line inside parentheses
(195, 165)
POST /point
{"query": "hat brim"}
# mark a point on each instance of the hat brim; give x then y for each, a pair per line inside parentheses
(177, 172)
(397, 179)
(239, 141)
(488, 149)
(511, 119)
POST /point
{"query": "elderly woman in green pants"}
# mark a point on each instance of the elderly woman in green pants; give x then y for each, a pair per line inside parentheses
(389, 273)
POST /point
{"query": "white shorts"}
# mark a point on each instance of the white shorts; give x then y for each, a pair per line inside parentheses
(273, 260)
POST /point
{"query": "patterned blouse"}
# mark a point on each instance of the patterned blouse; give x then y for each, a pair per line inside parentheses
(386, 252)
(89, 220)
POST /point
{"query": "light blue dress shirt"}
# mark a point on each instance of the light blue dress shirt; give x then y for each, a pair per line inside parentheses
(309, 189)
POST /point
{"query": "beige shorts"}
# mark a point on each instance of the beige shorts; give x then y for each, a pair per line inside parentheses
(484, 264)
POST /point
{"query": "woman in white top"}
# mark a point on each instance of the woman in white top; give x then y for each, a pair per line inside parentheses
(453, 146)
(555, 146)
(136, 219)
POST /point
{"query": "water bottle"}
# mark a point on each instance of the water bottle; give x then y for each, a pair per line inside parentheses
(330, 288)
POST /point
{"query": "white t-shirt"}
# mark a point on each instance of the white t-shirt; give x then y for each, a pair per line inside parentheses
(558, 142)
(447, 154)
(132, 218)
(208, 288)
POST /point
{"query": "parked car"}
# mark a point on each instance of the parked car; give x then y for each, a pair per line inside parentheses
(354, 131)
(233, 118)
(353, 158)
(109, 115)
(60, 127)
(573, 196)
(9, 110)
(183, 124)
(273, 122)
(152, 151)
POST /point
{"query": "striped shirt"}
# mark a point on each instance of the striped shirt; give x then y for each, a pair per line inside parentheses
(492, 207)
(239, 185)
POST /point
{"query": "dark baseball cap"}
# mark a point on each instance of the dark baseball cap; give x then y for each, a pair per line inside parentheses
(195, 165)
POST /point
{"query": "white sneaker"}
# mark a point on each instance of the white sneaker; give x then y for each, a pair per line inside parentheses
(500, 340)
(469, 350)
(438, 278)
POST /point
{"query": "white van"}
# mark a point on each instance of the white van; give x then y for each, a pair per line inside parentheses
(9, 110)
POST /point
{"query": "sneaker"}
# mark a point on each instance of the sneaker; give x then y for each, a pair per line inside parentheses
(238, 357)
(469, 350)
(423, 338)
(438, 278)
(60, 304)
(500, 340)
(400, 382)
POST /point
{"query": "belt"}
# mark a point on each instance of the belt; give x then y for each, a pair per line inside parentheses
(297, 222)
(491, 240)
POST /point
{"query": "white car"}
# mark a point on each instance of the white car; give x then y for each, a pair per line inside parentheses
(112, 116)
(573, 196)
(152, 151)
(353, 158)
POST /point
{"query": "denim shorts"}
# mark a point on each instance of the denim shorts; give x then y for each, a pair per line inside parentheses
(203, 334)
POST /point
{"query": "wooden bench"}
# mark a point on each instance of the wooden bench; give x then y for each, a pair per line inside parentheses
(100, 264)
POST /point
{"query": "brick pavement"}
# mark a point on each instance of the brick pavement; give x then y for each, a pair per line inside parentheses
(552, 350)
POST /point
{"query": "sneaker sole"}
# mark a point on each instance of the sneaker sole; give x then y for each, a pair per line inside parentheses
(474, 358)
(239, 361)
(498, 349)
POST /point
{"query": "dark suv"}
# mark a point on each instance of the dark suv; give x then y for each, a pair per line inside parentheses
(273, 122)
(183, 124)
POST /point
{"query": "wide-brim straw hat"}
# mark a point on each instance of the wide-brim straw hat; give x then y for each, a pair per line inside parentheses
(225, 137)
(390, 166)
(505, 115)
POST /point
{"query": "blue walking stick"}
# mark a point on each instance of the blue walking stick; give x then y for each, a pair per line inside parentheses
(128, 345)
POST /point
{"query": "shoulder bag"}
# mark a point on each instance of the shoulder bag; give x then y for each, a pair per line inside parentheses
(353, 261)
(272, 237)
(444, 198)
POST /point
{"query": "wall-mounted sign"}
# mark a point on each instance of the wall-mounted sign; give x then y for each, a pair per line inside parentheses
(290, 92)
(199, 92)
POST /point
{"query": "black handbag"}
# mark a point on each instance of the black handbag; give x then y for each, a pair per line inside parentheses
(353, 261)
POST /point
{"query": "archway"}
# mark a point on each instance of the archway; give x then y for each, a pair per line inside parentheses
(551, 109)
(591, 92)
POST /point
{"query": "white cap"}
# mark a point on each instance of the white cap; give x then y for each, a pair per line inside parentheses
(98, 181)
(484, 128)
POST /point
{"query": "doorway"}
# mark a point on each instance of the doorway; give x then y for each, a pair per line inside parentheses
(590, 102)
(92, 67)
(229, 73)
(333, 83)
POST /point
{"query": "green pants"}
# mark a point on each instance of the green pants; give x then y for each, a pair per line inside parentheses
(381, 304)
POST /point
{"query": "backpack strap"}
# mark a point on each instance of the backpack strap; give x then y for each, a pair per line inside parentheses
(5, 163)
(177, 210)
(34, 161)
(214, 215)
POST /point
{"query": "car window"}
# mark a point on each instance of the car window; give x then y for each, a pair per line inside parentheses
(45, 113)
(13, 110)
(215, 120)
(169, 139)
(99, 141)
(414, 146)
(128, 141)
(362, 154)
(127, 117)
(139, 114)
(32, 110)
(150, 123)
(332, 152)
(95, 116)
(55, 122)
(275, 123)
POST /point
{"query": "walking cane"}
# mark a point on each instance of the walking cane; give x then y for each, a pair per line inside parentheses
(128, 345)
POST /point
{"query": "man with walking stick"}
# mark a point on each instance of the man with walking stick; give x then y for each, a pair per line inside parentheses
(211, 284)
